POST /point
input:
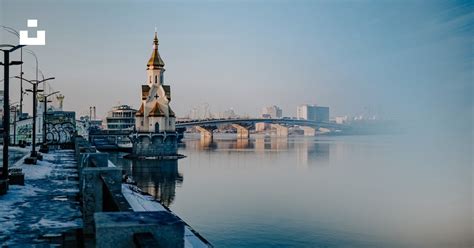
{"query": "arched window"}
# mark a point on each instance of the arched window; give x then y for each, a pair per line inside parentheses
(157, 127)
(156, 79)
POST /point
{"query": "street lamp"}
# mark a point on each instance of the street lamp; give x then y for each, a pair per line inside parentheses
(17, 34)
(6, 49)
(34, 156)
(44, 147)
(14, 108)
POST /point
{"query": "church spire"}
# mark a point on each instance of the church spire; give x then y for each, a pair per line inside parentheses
(155, 60)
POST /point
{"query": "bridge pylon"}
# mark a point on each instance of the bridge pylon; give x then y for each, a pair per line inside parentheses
(242, 131)
(309, 131)
(207, 132)
(281, 131)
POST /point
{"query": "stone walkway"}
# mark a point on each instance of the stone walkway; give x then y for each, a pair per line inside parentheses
(37, 213)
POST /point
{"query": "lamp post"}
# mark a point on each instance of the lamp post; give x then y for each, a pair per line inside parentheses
(15, 110)
(34, 156)
(17, 34)
(44, 147)
(7, 49)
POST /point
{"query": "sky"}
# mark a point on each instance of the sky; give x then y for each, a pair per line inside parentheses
(402, 59)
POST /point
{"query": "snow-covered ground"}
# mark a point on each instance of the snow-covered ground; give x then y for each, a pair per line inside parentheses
(141, 201)
(46, 205)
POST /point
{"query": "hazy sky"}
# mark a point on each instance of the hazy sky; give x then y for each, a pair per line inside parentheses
(399, 58)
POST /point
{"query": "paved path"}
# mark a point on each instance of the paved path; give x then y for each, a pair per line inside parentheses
(46, 206)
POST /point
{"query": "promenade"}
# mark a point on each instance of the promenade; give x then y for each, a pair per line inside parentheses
(50, 209)
(46, 206)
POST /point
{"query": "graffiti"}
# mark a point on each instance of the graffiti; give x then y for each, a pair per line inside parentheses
(60, 133)
(60, 127)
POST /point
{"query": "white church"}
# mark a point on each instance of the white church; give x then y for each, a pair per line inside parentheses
(155, 114)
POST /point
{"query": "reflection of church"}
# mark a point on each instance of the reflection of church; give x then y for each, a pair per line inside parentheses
(158, 178)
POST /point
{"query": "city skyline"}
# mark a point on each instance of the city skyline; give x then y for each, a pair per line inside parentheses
(365, 55)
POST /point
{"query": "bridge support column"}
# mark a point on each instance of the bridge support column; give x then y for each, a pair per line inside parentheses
(206, 131)
(309, 131)
(324, 130)
(242, 131)
(281, 131)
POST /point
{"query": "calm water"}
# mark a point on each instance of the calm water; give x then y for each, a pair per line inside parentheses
(353, 191)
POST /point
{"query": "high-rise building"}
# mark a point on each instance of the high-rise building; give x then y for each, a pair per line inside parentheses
(312, 113)
(272, 112)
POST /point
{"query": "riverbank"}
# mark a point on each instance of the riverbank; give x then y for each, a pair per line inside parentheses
(39, 212)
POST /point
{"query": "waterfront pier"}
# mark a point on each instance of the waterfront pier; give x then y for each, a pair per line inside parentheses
(78, 198)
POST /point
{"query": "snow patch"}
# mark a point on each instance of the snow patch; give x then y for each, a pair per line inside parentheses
(45, 223)
(139, 201)
(34, 172)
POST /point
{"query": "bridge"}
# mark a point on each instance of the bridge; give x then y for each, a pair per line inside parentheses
(108, 139)
(207, 126)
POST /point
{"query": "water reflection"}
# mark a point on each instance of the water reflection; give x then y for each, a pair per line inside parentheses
(310, 152)
(159, 178)
(325, 189)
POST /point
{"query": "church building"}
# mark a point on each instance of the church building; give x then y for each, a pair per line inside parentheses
(155, 133)
(155, 114)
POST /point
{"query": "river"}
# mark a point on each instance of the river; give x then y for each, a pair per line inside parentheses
(342, 191)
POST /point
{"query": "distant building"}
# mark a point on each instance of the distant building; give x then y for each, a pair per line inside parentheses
(312, 113)
(227, 114)
(341, 119)
(120, 118)
(272, 112)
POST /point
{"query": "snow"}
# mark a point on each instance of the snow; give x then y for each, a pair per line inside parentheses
(10, 204)
(39, 171)
(40, 207)
(18, 149)
(140, 201)
(110, 164)
(45, 223)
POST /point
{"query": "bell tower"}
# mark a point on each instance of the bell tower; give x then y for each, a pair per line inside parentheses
(155, 66)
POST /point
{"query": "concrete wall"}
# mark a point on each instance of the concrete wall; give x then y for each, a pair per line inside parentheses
(117, 229)
(101, 191)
